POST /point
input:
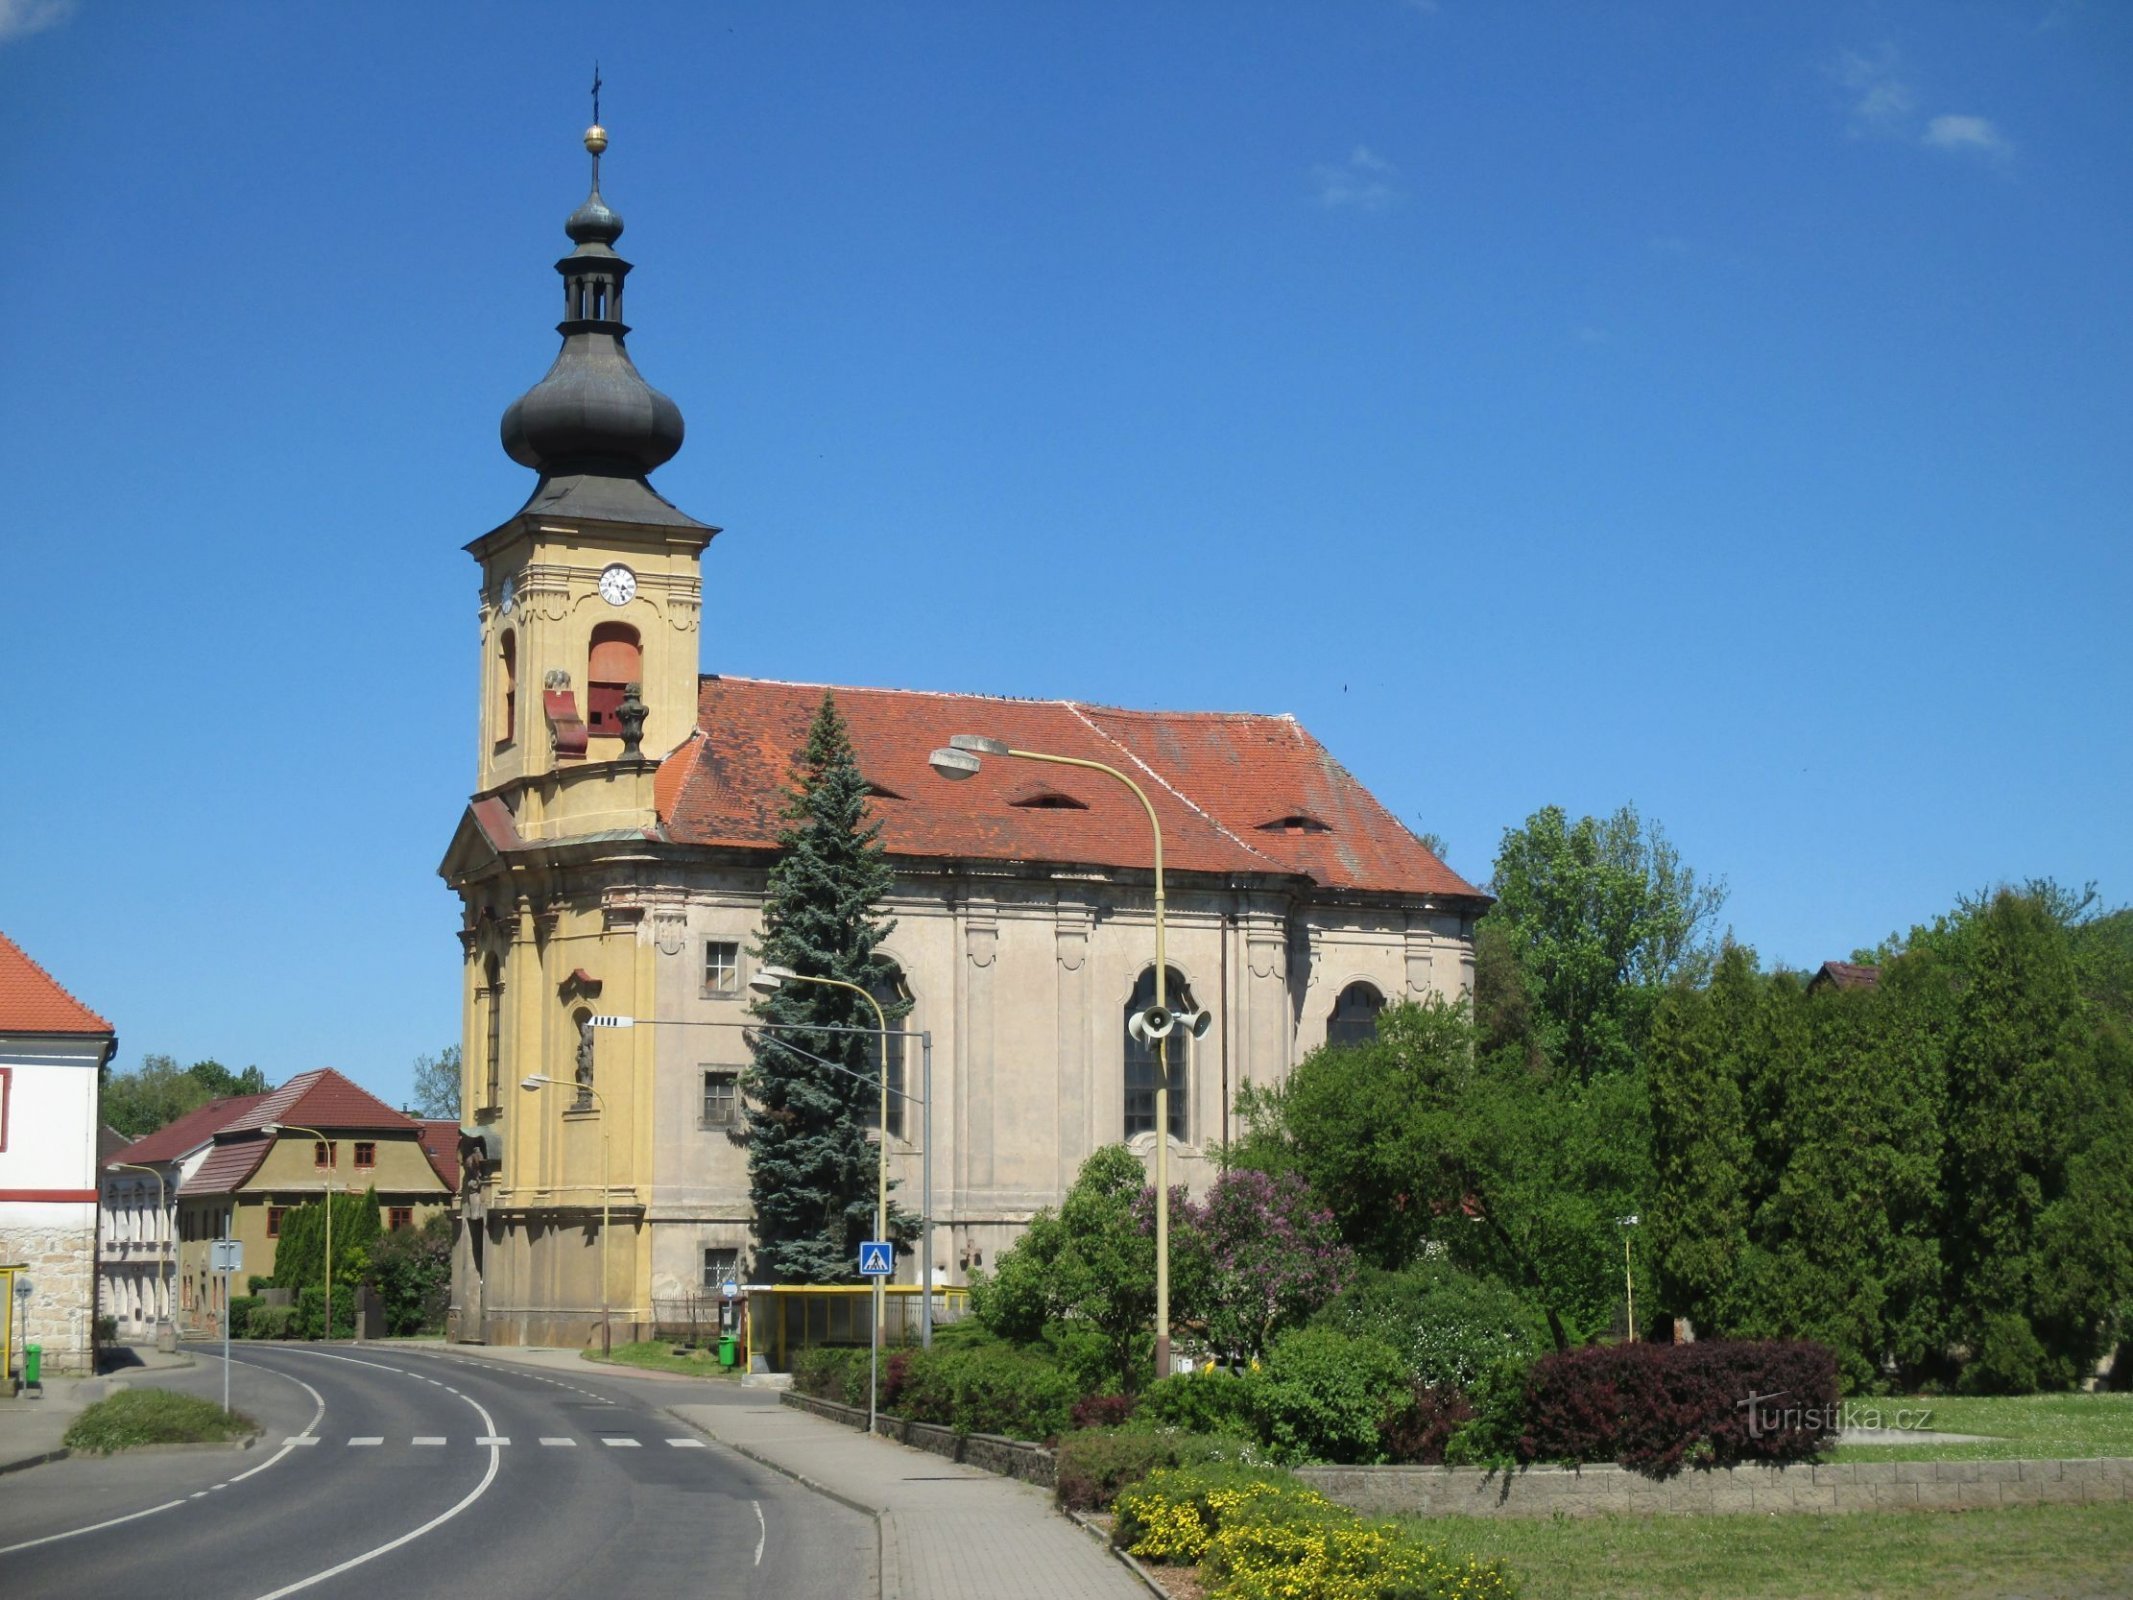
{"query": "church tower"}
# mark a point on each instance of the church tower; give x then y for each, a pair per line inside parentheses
(593, 586)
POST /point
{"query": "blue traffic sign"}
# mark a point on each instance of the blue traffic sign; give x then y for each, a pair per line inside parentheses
(877, 1258)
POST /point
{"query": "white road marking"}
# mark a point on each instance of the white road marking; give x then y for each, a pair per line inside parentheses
(135, 1516)
(367, 1439)
(762, 1531)
(622, 1444)
(490, 1438)
(428, 1439)
(564, 1444)
(496, 1457)
(297, 1439)
(686, 1444)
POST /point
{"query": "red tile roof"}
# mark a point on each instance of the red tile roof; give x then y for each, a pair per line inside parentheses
(228, 1165)
(31, 1000)
(190, 1131)
(1218, 780)
(440, 1142)
(323, 1099)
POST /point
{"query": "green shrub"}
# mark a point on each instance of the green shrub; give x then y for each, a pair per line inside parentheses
(1203, 1402)
(993, 1388)
(241, 1308)
(310, 1319)
(2010, 1359)
(412, 1272)
(1490, 1438)
(256, 1284)
(1094, 1464)
(268, 1322)
(1324, 1393)
(832, 1372)
(1449, 1325)
(153, 1416)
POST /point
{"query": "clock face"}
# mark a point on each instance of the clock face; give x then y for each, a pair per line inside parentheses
(507, 602)
(618, 585)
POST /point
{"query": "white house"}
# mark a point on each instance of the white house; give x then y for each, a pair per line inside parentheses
(52, 1051)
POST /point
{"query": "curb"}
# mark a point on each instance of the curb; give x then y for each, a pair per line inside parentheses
(888, 1552)
(1147, 1579)
(26, 1462)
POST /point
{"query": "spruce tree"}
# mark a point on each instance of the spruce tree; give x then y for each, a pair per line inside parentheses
(811, 1168)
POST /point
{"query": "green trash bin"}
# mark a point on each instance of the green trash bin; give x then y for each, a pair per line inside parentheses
(33, 1366)
(728, 1349)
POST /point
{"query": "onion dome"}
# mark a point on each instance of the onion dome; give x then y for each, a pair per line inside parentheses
(593, 414)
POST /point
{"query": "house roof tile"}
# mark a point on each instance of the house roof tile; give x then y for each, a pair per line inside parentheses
(32, 1001)
(440, 1142)
(190, 1131)
(1214, 779)
(322, 1099)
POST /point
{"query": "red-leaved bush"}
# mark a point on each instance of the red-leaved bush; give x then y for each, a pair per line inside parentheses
(1104, 1410)
(1659, 1407)
(1416, 1431)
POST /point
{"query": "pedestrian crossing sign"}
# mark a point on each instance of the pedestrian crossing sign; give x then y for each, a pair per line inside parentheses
(877, 1258)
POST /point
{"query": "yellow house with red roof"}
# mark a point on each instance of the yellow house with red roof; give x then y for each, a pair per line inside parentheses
(613, 862)
(52, 1053)
(237, 1166)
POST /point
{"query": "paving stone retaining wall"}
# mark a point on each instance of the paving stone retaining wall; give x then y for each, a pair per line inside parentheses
(1011, 1458)
(1825, 1487)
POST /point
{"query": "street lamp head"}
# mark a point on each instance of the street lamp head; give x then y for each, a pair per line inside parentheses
(530, 1083)
(769, 980)
(1629, 1221)
(271, 1129)
(978, 745)
(954, 764)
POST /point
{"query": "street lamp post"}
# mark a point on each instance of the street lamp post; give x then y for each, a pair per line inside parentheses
(961, 760)
(274, 1130)
(1629, 1284)
(768, 980)
(162, 1205)
(532, 1083)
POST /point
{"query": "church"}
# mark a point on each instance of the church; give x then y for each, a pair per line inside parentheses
(612, 863)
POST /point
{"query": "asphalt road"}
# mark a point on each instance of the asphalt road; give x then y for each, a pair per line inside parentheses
(430, 1475)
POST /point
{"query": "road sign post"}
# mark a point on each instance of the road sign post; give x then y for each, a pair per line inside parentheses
(877, 1260)
(225, 1256)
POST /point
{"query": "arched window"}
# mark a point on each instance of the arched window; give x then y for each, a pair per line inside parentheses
(507, 669)
(1355, 1015)
(615, 663)
(1140, 1058)
(894, 994)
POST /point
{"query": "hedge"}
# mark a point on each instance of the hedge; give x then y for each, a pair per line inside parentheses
(980, 1388)
(269, 1322)
(1659, 1407)
(1095, 1464)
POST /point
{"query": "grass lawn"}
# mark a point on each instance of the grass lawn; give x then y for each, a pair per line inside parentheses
(2033, 1551)
(2028, 1427)
(657, 1355)
(153, 1416)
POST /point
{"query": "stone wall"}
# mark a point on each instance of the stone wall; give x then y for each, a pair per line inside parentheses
(61, 1262)
(1011, 1458)
(1826, 1487)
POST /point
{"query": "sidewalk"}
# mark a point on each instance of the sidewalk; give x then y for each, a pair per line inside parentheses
(948, 1532)
(31, 1429)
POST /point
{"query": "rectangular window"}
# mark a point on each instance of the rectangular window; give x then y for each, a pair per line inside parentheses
(721, 1266)
(7, 1083)
(324, 1154)
(274, 1216)
(399, 1217)
(494, 1049)
(722, 1099)
(366, 1154)
(722, 967)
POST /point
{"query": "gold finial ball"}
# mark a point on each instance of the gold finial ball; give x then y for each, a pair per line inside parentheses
(596, 138)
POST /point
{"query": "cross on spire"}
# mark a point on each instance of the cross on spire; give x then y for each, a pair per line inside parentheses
(596, 93)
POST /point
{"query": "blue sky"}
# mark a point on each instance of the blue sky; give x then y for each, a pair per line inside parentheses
(1724, 409)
